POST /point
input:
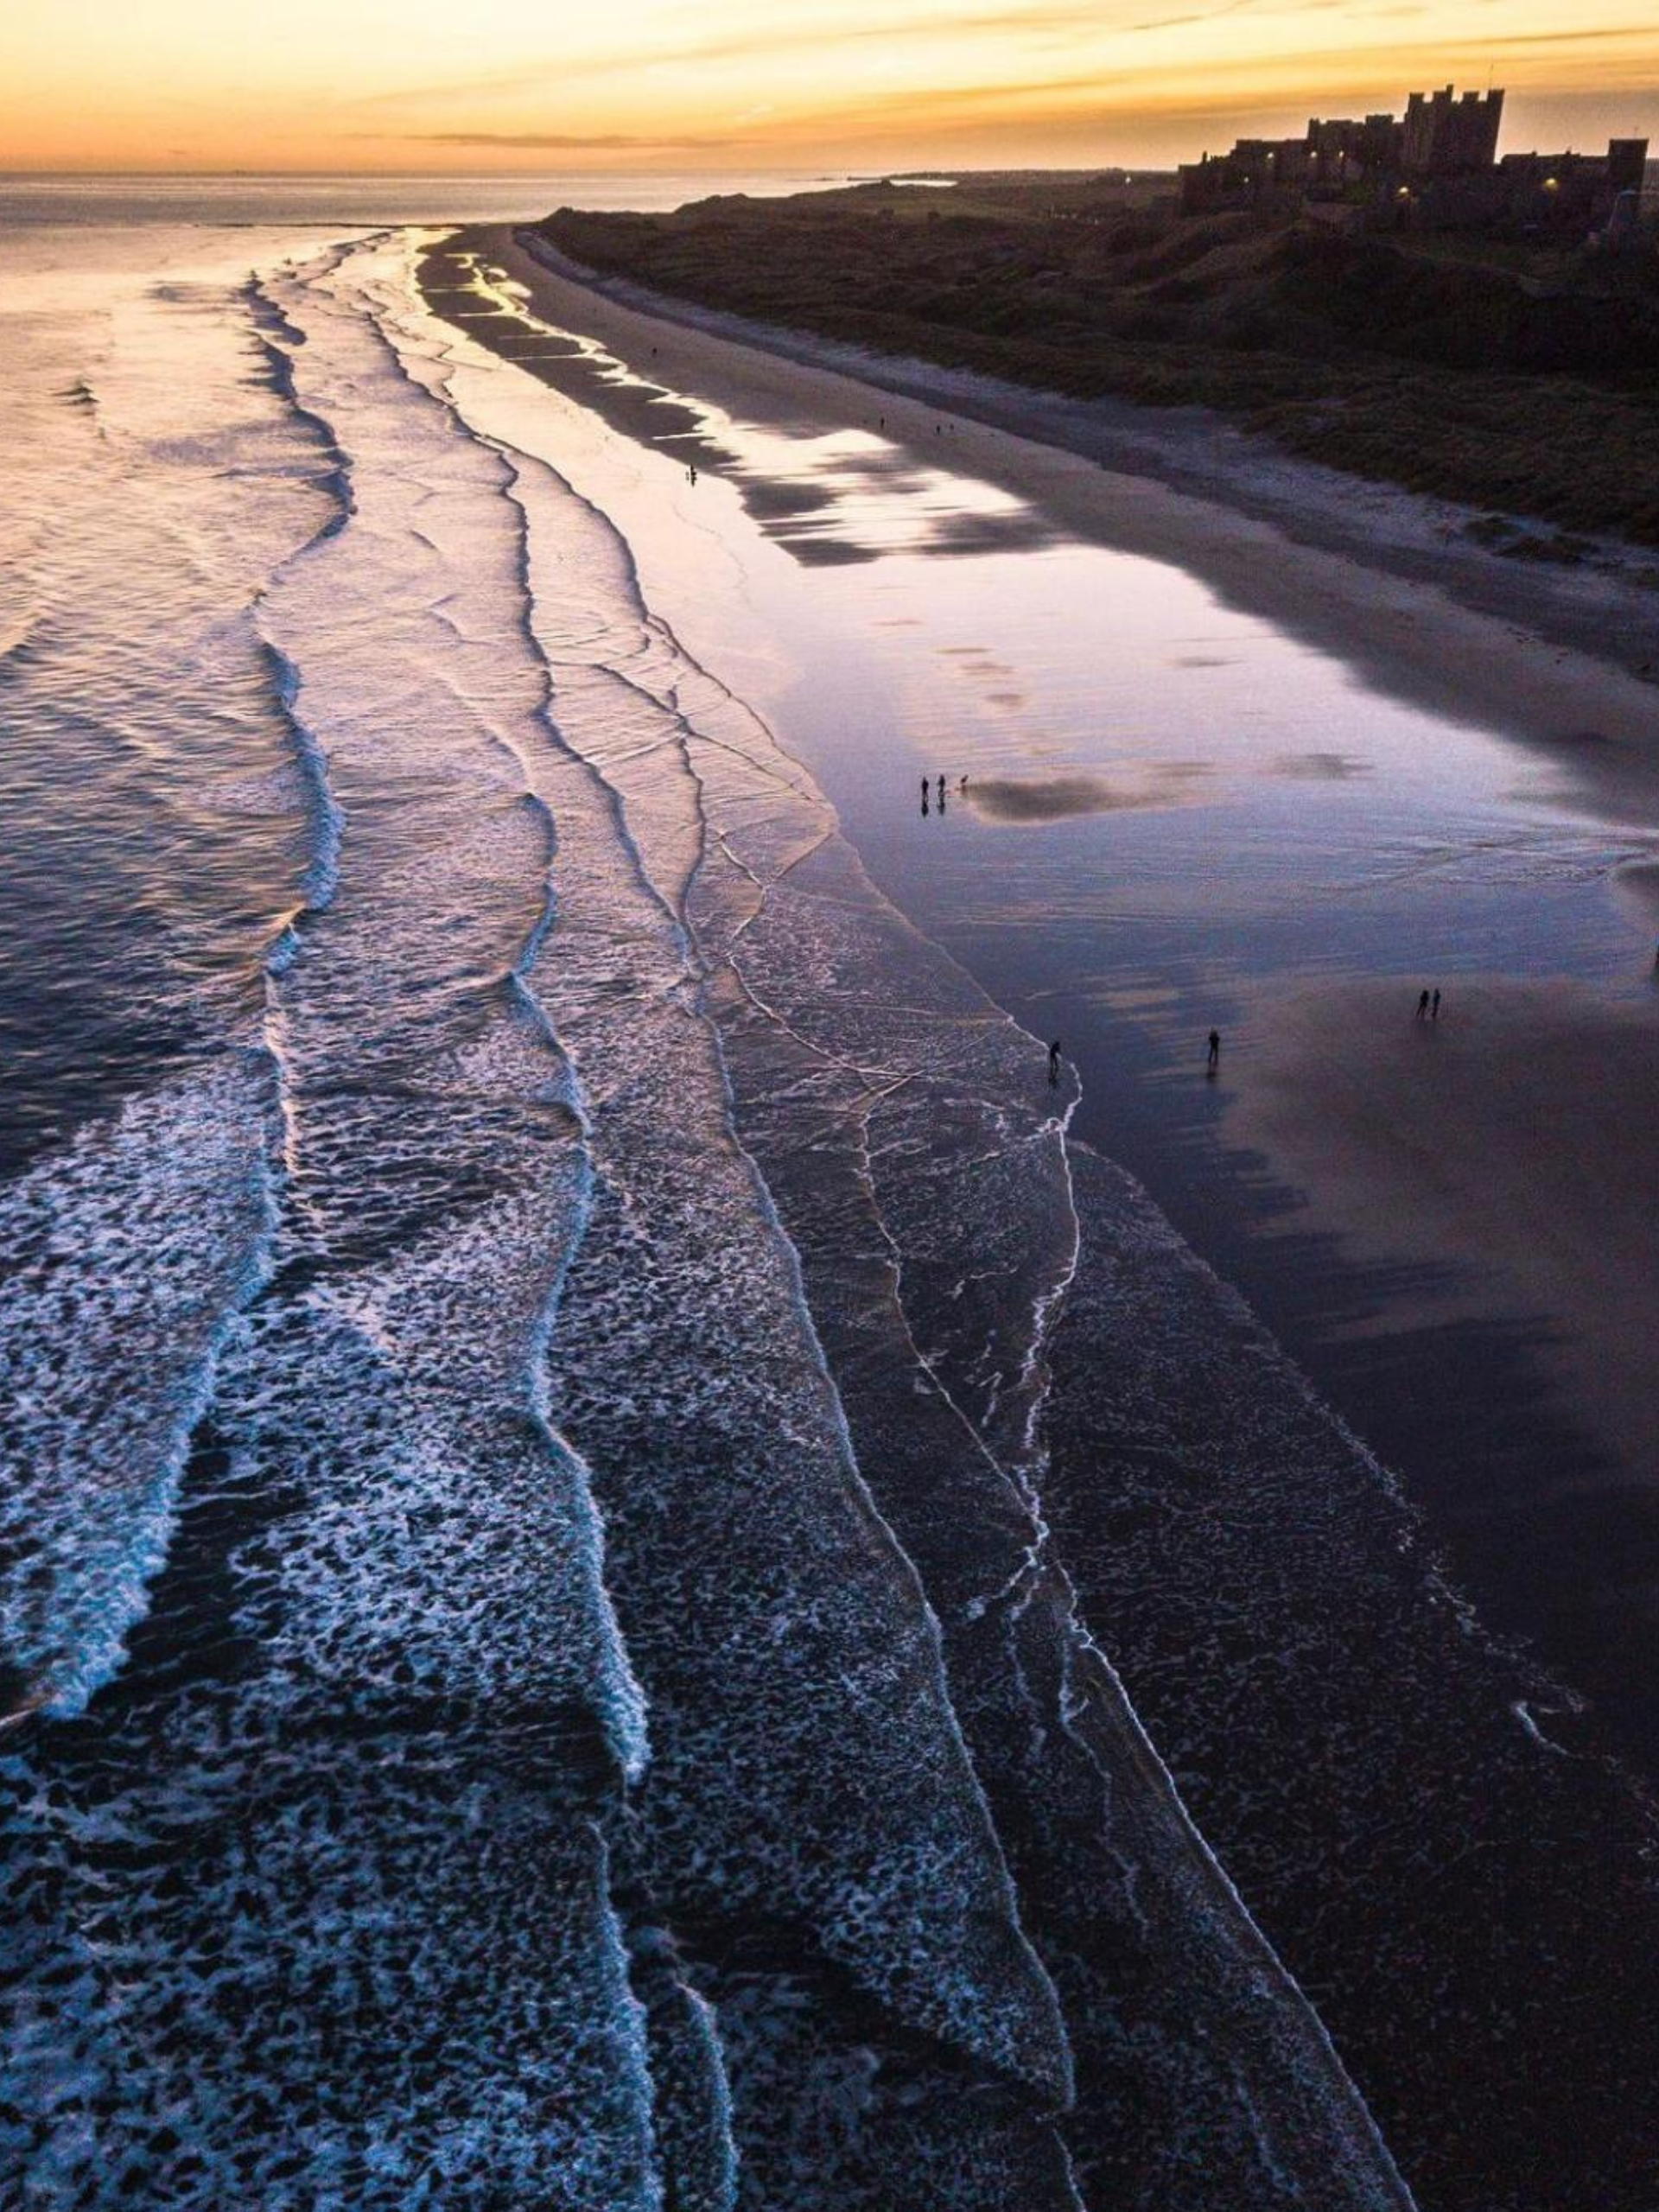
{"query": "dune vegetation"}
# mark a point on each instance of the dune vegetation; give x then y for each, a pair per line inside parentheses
(1515, 377)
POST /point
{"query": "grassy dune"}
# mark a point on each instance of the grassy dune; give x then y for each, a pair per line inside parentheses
(1522, 380)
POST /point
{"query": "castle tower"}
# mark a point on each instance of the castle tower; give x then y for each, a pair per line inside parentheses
(1446, 135)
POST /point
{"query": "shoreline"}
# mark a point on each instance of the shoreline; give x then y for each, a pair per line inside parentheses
(1255, 1579)
(1373, 575)
(1277, 1204)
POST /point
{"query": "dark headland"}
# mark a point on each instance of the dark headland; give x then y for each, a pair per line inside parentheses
(1499, 352)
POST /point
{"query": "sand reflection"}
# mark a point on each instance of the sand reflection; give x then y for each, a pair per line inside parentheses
(1054, 799)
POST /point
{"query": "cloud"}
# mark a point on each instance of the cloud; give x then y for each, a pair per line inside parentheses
(1562, 38)
(1082, 98)
(754, 45)
(1205, 16)
(1045, 19)
(553, 142)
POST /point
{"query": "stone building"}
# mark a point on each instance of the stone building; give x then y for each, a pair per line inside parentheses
(1444, 135)
(1436, 167)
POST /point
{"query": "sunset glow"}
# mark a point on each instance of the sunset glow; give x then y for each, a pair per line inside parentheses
(658, 84)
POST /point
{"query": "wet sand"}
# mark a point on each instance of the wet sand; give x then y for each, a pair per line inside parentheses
(1419, 1817)
(1477, 1195)
(1553, 655)
(1503, 1161)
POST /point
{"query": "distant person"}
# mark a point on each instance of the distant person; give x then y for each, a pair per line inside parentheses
(1054, 1062)
(941, 791)
(1434, 1006)
(1214, 1060)
(692, 472)
(1423, 1007)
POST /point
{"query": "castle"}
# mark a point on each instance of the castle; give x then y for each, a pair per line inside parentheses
(1437, 167)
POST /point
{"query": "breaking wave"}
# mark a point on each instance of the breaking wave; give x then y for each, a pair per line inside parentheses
(539, 1452)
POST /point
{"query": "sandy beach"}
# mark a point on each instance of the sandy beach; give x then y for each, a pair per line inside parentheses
(1565, 658)
(693, 1516)
(1493, 1173)
(1501, 1163)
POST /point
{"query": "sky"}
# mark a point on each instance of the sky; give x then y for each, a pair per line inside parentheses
(729, 85)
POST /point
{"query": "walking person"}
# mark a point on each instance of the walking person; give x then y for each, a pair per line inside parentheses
(1054, 1062)
(1214, 1060)
(1434, 1006)
(1422, 1006)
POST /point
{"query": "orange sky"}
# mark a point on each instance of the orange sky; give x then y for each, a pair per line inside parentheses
(547, 85)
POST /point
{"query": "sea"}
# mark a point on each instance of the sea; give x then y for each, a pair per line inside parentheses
(638, 1567)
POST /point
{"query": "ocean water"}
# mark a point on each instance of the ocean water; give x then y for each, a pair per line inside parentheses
(615, 1590)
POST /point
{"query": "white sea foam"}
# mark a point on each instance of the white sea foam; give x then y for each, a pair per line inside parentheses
(918, 1903)
(869, 1056)
(121, 1259)
(539, 1776)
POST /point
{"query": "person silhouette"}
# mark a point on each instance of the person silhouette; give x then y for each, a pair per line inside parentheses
(1054, 1062)
(1434, 1007)
(1422, 1006)
(1214, 1060)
